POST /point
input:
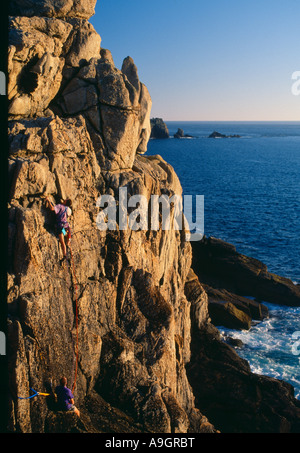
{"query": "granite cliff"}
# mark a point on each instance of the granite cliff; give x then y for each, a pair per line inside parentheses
(127, 320)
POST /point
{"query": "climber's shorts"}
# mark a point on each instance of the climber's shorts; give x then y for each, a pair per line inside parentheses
(65, 230)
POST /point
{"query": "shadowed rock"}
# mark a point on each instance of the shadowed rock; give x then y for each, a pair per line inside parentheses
(220, 266)
(159, 129)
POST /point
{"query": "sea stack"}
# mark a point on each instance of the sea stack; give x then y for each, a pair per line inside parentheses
(159, 128)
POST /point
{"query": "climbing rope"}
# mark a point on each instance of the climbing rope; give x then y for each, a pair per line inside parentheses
(76, 309)
(35, 393)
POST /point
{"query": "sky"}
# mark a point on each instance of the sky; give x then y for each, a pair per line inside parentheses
(213, 60)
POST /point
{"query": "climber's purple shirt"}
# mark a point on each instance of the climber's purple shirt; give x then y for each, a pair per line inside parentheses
(63, 397)
(62, 213)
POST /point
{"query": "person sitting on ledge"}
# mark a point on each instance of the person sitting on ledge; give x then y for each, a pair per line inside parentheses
(65, 398)
(62, 211)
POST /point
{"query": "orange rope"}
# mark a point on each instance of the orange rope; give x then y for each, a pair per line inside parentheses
(75, 284)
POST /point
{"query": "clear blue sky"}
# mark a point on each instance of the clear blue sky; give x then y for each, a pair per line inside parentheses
(209, 60)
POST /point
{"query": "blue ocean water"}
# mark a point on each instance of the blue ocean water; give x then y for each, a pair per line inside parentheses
(251, 188)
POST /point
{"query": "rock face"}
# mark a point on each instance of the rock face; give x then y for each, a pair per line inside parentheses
(118, 313)
(159, 128)
(56, 67)
(220, 267)
(233, 398)
(127, 315)
(237, 285)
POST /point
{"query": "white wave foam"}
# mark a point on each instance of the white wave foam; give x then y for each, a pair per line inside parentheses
(268, 345)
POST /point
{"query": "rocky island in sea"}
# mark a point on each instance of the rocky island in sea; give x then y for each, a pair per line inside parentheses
(180, 134)
(128, 320)
(219, 135)
(159, 129)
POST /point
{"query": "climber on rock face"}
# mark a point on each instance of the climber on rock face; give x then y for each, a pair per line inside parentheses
(62, 211)
(65, 398)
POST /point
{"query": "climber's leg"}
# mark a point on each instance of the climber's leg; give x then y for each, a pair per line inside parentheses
(68, 236)
(62, 243)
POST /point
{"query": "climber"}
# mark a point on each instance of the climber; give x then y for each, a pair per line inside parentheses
(62, 211)
(65, 398)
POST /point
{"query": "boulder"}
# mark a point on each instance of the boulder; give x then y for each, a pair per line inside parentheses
(249, 308)
(235, 342)
(228, 315)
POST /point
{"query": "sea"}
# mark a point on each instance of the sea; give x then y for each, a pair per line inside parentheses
(251, 189)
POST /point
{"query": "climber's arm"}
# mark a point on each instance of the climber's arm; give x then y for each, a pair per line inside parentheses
(49, 204)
